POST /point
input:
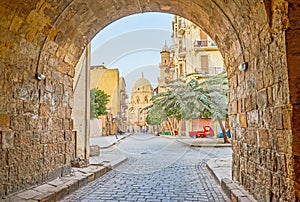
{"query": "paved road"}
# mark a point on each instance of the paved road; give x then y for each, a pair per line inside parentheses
(157, 169)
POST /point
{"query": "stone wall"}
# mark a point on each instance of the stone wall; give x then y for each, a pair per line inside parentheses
(260, 111)
(293, 63)
(36, 138)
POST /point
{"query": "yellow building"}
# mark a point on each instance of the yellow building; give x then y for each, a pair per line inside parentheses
(107, 80)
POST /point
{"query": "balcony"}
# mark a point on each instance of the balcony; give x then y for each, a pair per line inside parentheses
(202, 70)
(209, 70)
(204, 45)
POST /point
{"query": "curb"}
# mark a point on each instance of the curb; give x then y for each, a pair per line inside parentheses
(203, 144)
(235, 192)
(117, 141)
(59, 188)
(232, 190)
(210, 170)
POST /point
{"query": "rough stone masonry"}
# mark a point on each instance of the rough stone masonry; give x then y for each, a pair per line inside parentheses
(48, 36)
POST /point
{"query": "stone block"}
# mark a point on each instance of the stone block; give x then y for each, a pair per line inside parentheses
(82, 180)
(243, 120)
(94, 150)
(253, 118)
(227, 186)
(73, 185)
(57, 182)
(254, 101)
(259, 80)
(47, 192)
(277, 116)
(55, 124)
(7, 139)
(235, 193)
(30, 194)
(102, 171)
(263, 138)
(4, 121)
(69, 135)
(248, 104)
(239, 105)
(61, 192)
(44, 109)
(244, 199)
(262, 99)
(270, 96)
(268, 76)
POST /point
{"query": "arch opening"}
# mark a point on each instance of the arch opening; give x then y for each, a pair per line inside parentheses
(48, 37)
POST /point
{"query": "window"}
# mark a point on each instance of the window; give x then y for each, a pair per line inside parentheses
(181, 70)
(204, 64)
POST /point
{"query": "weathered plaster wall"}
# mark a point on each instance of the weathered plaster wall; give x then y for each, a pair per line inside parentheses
(81, 107)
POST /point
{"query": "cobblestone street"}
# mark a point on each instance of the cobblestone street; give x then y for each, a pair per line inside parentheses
(157, 169)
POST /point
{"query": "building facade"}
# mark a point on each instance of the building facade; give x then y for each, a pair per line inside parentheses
(107, 80)
(122, 116)
(141, 94)
(166, 67)
(194, 50)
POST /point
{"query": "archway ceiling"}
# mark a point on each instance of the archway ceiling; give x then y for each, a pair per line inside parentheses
(71, 24)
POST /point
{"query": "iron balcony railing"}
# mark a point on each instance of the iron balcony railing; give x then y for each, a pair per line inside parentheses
(204, 43)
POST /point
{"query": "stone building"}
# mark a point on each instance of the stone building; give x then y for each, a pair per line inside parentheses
(122, 116)
(194, 50)
(42, 41)
(141, 94)
(166, 67)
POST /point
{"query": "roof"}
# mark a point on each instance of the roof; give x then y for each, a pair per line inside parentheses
(165, 48)
(142, 83)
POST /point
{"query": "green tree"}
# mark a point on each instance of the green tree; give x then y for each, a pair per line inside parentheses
(194, 98)
(98, 101)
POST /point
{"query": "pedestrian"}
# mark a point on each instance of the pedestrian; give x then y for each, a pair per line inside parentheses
(114, 127)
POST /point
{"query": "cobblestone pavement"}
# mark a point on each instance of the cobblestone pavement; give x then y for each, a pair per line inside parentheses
(157, 169)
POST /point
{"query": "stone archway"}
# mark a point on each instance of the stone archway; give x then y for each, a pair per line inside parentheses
(48, 36)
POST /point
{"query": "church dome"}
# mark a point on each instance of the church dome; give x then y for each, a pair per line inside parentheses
(142, 84)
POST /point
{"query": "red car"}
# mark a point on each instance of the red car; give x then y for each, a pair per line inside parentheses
(207, 132)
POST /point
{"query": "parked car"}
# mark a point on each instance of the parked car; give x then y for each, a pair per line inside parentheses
(221, 135)
(207, 132)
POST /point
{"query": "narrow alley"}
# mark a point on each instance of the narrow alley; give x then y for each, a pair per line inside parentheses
(157, 169)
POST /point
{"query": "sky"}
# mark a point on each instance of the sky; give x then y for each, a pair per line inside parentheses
(133, 45)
